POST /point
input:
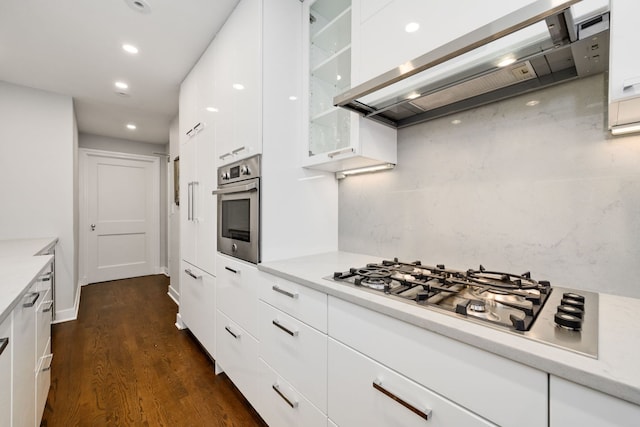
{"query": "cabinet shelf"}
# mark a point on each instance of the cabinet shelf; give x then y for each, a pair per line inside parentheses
(335, 35)
(335, 68)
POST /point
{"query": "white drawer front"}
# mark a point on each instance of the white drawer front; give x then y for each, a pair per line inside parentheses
(197, 304)
(296, 351)
(237, 355)
(43, 381)
(237, 293)
(496, 388)
(6, 344)
(398, 401)
(282, 405)
(301, 302)
(43, 321)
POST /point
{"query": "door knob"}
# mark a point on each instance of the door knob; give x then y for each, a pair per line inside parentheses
(93, 227)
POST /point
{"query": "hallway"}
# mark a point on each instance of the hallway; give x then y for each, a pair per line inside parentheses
(124, 363)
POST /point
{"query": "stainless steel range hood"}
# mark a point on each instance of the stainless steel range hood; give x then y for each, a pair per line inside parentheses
(542, 46)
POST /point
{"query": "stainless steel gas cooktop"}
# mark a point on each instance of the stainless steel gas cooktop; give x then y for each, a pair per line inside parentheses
(514, 303)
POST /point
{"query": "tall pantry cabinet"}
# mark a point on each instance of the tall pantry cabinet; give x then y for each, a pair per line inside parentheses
(197, 205)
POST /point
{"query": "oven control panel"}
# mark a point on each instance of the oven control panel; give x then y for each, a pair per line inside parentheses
(240, 170)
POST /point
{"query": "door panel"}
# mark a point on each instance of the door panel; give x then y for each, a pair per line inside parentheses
(122, 215)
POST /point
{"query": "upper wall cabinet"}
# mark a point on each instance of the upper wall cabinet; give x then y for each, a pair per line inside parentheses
(238, 83)
(337, 139)
(624, 68)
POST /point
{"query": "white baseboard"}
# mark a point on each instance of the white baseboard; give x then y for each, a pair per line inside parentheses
(165, 271)
(70, 313)
(174, 295)
(179, 324)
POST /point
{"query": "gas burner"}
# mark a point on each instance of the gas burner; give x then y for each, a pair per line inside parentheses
(377, 283)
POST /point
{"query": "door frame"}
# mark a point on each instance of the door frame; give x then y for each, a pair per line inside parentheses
(83, 201)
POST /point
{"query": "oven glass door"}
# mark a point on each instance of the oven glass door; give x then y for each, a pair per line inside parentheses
(238, 221)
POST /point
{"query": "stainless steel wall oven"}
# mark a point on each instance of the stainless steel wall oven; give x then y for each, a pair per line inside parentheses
(239, 209)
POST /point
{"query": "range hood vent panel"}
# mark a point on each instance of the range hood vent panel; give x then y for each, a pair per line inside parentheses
(464, 73)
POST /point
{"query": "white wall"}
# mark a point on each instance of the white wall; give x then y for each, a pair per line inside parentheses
(517, 188)
(37, 165)
(174, 214)
(98, 142)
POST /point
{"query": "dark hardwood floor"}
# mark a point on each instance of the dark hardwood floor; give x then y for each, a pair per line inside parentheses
(124, 363)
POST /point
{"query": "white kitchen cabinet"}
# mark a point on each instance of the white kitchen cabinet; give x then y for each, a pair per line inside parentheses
(571, 404)
(237, 356)
(624, 67)
(337, 139)
(296, 351)
(237, 292)
(495, 388)
(364, 392)
(282, 405)
(24, 359)
(197, 304)
(6, 345)
(298, 301)
(238, 83)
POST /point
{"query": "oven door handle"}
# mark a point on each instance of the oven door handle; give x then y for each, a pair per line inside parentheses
(237, 189)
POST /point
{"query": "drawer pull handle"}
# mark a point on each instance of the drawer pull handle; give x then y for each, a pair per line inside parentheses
(190, 273)
(232, 270)
(48, 309)
(287, 330)
(46, 277)
(4, 342)
(50, 357)
(283, 292)
(34, 297)
(629, 83)
(332, 154)
(237, 150)
(276, 387)
(422, 414)
(233, 334)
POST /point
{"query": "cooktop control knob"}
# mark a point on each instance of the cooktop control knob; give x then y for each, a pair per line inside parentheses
(224, 176)
(244, 170)
(569, 309)
(569, 321)
(572, 302)
(573, 296)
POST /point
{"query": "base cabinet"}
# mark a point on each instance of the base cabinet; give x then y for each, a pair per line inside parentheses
(197, 299)
(281, 404)
(237, 356)
(24, 360)
(364, 392)
(6, 345)
(571, 404)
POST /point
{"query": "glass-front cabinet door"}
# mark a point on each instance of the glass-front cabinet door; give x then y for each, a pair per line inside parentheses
(334, 135)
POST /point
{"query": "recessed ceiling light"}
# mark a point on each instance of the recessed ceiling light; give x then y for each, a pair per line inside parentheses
(238, 86)
(338, 77)
(413, 95)
(412, 27)
(122, 85)
(131, 126)
(139, 6)
(506, 61)
(456, 121)
(532, 103)
(293, 98)
(129, 48)
(212, 109)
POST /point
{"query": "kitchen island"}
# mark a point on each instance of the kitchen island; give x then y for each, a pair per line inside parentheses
(614, 372)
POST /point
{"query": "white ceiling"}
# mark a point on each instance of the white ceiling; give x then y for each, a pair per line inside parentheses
(73, 47)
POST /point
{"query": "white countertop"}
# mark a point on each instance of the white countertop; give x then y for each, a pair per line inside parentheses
(616, 371)
(25, 247)
(16, 275)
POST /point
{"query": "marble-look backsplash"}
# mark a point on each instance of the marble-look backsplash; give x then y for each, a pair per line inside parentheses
(541, 188)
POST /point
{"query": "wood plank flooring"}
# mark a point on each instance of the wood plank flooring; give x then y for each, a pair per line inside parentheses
(124, 363)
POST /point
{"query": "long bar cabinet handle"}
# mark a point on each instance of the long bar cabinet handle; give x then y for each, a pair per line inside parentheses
(233, 334)
(332, 154)
(34, 297)
(276, 388)
(422, 414)
(284, 328)
(46, 277)
(278, 289)
(190, 273)
(4, 342)
(237, 150)
(232, 270)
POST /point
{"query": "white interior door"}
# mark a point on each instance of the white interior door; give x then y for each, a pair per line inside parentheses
(120, 221)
